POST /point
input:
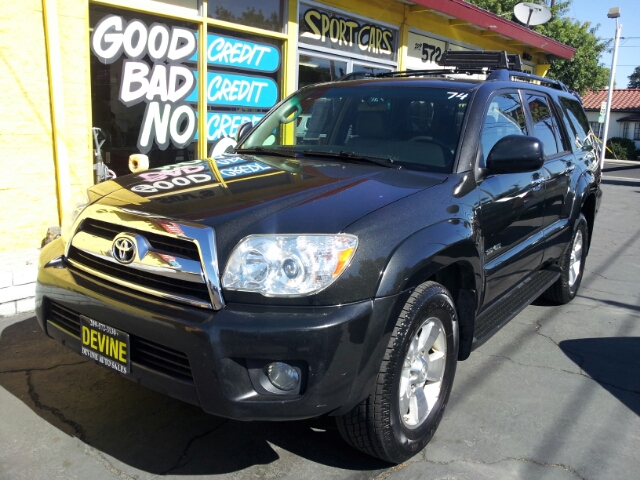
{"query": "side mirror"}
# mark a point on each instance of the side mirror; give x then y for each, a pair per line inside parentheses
(243, 130)
(516, 153)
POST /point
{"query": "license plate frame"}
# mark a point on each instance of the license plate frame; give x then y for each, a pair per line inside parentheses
(105, 344)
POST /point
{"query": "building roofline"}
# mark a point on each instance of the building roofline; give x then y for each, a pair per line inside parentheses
(624, 100)
(489, 21)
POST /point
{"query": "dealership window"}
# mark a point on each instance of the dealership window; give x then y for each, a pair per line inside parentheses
(239, 89)
(145, 73)
(265, 14)
(636, 131)
(142, 91)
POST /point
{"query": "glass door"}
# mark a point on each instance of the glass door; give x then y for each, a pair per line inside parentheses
(314, 67)
(368, 68)
(317, 69)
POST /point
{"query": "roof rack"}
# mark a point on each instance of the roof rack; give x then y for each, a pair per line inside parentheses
(489, 59)
(496, 64)
(507, 75)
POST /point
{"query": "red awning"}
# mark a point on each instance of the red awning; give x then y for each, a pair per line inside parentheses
(477, 16)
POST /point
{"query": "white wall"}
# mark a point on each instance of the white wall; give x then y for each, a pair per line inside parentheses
(615, 127)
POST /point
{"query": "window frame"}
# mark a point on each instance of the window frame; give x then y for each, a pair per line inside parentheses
(636, 131)
(481, 158)
(561, 128)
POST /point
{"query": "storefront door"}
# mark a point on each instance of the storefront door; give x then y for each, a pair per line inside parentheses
(317, 68)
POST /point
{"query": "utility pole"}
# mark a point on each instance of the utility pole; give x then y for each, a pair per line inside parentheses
(614, 12)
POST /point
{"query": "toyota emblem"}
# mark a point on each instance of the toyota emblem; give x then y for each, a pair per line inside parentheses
(124, 249)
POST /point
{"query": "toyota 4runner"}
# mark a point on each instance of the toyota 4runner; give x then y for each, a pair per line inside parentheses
(361, 239)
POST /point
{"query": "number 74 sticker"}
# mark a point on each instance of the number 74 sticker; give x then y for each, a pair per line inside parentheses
(459, 95)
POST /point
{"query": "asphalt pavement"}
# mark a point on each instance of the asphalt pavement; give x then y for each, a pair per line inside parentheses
(554, 395)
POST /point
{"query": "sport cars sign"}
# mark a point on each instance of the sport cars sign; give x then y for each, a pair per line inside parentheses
(336, 31)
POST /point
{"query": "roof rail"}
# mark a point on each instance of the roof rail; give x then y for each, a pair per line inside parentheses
(479, 59)
(508, 75)
(496, 64)
(443, 72)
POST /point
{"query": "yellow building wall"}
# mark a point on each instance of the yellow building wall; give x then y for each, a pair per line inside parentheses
(73, 24)
(28, 192)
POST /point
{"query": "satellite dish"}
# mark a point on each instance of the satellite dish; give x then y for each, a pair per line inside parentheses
(531, 13)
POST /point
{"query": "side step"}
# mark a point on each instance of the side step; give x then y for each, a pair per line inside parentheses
(497, 316)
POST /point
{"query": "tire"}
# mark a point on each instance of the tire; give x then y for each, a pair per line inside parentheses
(377, 426)
(566, 288)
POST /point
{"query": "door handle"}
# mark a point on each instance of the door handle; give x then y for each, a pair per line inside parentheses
(537, 183)
(570, 167)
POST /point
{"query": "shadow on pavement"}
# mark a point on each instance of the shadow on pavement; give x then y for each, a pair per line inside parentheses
(148, 430)
(613, 362)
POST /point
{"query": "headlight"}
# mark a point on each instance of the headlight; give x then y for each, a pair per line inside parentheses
(70, 218)
(288, 265)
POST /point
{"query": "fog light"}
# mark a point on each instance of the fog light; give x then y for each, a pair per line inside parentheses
(283, 376)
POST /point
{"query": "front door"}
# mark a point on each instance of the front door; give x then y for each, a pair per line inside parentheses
(511, 205)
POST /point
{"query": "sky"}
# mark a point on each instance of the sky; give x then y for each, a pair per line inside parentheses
(595, 11)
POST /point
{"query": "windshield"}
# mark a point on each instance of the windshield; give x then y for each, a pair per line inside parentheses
(414, 127)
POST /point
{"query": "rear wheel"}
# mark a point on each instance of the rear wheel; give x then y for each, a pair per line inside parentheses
(572, 266)
(399, 418)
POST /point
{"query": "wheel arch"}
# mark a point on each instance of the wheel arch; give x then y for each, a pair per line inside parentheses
(588, 209)
(584, 202)
(433, 254)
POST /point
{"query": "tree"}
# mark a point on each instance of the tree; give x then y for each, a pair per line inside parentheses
(583, 72)
(634, 79)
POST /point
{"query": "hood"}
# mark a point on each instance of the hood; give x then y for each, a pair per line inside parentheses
(239, 195)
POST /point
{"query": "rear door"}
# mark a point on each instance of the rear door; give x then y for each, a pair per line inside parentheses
(511, 204)
(560, 161)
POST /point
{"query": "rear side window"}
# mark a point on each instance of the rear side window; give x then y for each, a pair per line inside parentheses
(578, 123)
(545, 125)
(505, 116)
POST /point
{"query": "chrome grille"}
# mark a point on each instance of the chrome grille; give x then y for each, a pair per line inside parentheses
(137, 277)
(172, 260)
(160, 243)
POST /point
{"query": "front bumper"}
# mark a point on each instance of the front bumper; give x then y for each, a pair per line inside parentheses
(338, 348)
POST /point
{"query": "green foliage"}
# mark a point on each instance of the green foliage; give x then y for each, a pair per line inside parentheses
(634, 79)
(623, 148)
(583, 72)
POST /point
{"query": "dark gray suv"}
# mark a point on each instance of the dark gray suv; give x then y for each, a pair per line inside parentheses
(362, 239)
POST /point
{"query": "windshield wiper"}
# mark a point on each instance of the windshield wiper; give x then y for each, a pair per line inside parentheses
(383, 161)
(264, 151)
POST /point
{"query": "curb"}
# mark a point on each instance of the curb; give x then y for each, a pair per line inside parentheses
(624, 162)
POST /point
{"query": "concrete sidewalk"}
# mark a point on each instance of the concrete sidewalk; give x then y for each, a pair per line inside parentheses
(554, 395)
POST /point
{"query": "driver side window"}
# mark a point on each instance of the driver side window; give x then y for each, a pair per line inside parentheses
(505, 116)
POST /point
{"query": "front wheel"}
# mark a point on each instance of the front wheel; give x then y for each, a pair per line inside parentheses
(399, 418)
